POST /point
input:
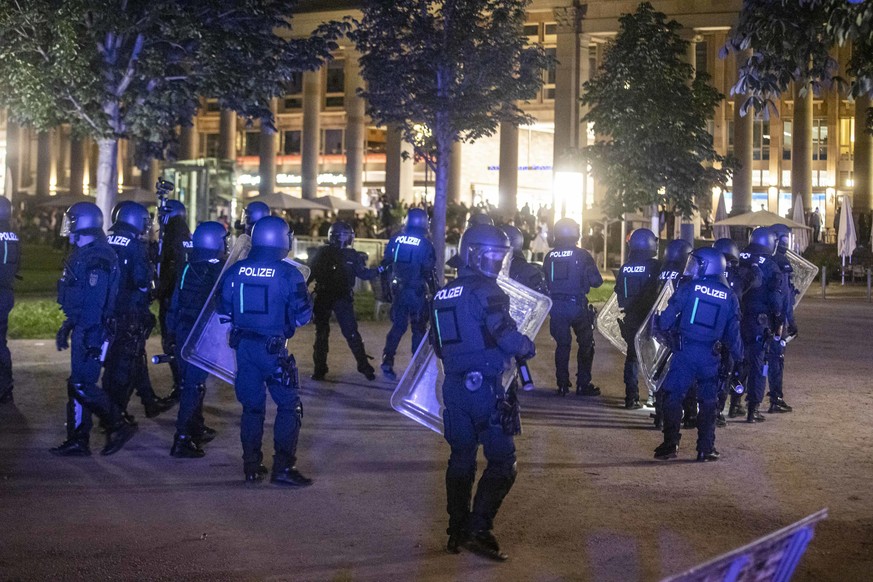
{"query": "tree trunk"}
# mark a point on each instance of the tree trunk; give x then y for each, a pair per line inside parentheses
(441, 188)
(107, 176)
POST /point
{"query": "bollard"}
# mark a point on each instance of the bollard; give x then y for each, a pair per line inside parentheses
(824, 280)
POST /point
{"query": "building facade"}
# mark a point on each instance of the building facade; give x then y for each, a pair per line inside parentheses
(325, 144)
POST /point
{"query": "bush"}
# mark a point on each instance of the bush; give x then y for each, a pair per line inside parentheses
(34, 319)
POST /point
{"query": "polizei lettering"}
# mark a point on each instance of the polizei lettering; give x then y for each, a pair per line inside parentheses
(630, 269)
(558, 254)
(256, 272)
(188, 244)
(118, 241)
(710, 291)
(8, 236)
(408, 240)
(444, 294)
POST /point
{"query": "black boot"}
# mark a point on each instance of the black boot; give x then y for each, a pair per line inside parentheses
(256, 474)
(6, 395)
(118, 435)
(367, 370)
(290, 477)
(720, 420)
(492, 489)
(203, 435)
(319, 374)
(459, 491)
(632, 404)
(388, 368)
(185, 447)
(709, 457)
(71, 448)
(689, 422)
(563, 390)
(666, 451)
(485, 544)
(753, 415)
(590, 390)
(779, 405)
(155, 407)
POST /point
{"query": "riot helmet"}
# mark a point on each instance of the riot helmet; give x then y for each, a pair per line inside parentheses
(210, 236)
(133, 215)
(677, 251)
(83, 219)
(762, 241)
(416, 220)
(705, 262)
(783, 236)
(340, 234)
(483, 248)
(729, 249)
(253, 213)
(567, 231)
(643, 241)
(479, 219)
(516, 239)
(272, 232)
(5, 209)
(172, 209)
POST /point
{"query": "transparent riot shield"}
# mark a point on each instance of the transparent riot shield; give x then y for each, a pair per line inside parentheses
(419, 393)
(607, 323)
(206, 346)
(653, 356)
(804, 273)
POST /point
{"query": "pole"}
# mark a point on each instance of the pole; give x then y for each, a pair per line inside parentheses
(605, 238)
(824, 280)
(868, 286)
(843, 272)
(623, 237)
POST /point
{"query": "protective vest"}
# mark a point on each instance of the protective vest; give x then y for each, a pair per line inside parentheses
(411, 258)
(196, 282)
(527, 274)
(10, 257)
(173, 255)
(89, 284)
(670, 272)
(570, 271)
(135, 271)
(766, 298)
(636, 286)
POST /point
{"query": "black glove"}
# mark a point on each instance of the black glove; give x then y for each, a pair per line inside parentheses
(62, 339)
(528, 349)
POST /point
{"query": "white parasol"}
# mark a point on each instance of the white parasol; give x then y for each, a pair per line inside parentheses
(801, 235)
(846, 239)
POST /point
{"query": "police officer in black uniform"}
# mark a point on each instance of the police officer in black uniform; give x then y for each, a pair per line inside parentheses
(172, 254)
(86, 293)
(475, 218)
(8, 270)
(762, 317)
(776, 360)
(334, 268)
(475, 337)
(570, 273)
(267, 300)
(528, 274)
(636, 288)
(700, 318)
(205, 262)
(126, 368)
(408, 264)
(253, 213)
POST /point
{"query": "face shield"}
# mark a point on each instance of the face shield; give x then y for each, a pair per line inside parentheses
(66, 226)
(489, 260)
(693, 267)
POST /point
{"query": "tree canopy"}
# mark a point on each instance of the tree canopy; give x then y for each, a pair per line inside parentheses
(456, 67)
(650, 113)
(136, 69)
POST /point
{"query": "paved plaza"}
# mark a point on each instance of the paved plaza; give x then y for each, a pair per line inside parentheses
(590, 502)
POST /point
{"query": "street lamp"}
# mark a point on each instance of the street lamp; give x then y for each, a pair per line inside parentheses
(567, 195)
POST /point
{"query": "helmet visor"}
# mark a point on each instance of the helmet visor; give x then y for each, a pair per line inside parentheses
(66, 226)
(693, 267)
(491, 261)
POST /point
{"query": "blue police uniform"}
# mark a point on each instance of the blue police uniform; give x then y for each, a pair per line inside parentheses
(266, 299)
(528, 274)
(9, 266)
(705, 315)
(474, 333)
(570, 273)
(776, 359)
(197, 280)
(636, 288)
(126, 367)
(762, 316)
(86, 293)
(172, 257)
(671, 272)
(411, 260)
(334, 271)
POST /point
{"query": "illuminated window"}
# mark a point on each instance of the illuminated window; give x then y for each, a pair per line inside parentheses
(847, 138)
(820, 139)
(335, 79)
(761, 140)
(332, 141)
(252, 143)
(291, 142)
(209, 145)
(294, 92)
(786, 140)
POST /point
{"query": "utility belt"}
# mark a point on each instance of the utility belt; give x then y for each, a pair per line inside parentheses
(275, 344)
(714, 346)
(577, 298)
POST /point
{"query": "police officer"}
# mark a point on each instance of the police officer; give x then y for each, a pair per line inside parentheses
(529, 275)
(86, 293)
(475, 336)
(172, 252)
(636, 288)
(8, 271)
(334, 268)
(675, 258)
(408, 264)
(570, 274)
(253, 213)
(126, 368)
(205, 262)
(740, 281)
(475, 218)
(762, 316)
(777, 346)
(266, 299)
(700, 318)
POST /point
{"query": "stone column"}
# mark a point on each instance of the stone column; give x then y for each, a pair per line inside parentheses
(507, 184)
(399, 176)
(742, 180)
(227, 135)
(43, 163)
(454, 191)
(311, 136)
(268, 146)
(862, 164)
(354, 128)
(188, 141)
(14, 135)
(801, 147)
(689, 228)
(78, 161)
(566, 84)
